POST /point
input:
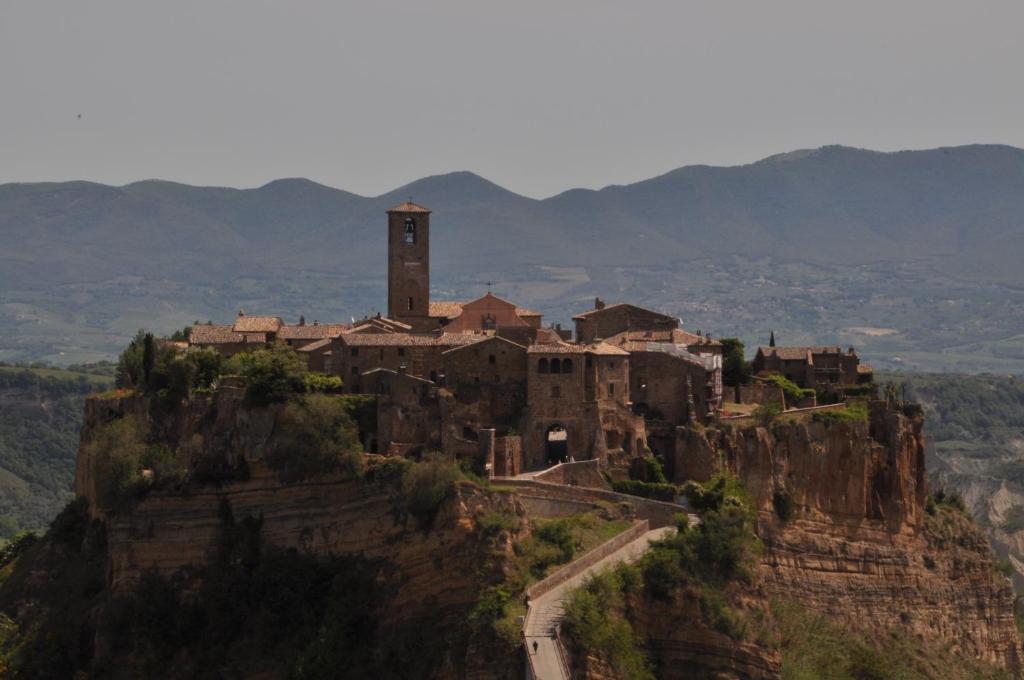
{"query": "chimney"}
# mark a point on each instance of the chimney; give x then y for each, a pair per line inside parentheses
(402, 368)
(598, 303)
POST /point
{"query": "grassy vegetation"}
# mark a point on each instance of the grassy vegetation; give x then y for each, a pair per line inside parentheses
(40, 418)
(855, 412)
(815, 647)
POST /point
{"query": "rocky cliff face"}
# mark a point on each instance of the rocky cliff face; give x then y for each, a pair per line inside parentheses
(433, 574)
(859, 544)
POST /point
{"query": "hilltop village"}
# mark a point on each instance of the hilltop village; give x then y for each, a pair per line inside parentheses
(486, 375)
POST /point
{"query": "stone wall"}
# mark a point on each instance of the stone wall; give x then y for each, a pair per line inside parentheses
(585, 473)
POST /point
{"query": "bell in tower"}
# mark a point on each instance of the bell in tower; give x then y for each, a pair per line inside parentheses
(409, 265)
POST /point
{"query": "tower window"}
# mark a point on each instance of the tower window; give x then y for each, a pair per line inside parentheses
(410, 231)
(410, 304)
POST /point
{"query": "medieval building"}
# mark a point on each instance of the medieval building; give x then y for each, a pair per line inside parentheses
(486, 375)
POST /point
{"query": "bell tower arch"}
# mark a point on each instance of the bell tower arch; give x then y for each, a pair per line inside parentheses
(409, 265)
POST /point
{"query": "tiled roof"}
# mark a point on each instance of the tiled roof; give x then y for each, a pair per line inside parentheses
(865, 368)
(547, 335)
(600, 348)
(681, 337)
(311, 332)
(257, 324)
(794, 353)
(407, 339)
(408, 206)
(314, 346)
(617, 305)
(213, 335)
(380, 322)
(451, 309)
(485, 339)
(448, 309)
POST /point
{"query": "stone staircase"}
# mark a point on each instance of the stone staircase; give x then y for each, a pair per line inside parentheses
(545, 611)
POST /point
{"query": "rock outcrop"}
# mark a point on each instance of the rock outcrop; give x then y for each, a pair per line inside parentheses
(857, 542)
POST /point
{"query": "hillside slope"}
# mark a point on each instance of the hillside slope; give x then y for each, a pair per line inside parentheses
(84, 264)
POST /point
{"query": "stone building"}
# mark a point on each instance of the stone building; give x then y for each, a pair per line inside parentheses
(578, 403)
(823, 368)
(604, 321)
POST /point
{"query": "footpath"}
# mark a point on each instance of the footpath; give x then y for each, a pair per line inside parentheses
(546, 607)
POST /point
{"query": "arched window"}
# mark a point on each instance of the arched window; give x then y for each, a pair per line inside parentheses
(410, 230)
(542, 366)
(410, 304)
(556, 366)
(566, 365)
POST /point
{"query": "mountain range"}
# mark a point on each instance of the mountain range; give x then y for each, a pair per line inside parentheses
(84, 264)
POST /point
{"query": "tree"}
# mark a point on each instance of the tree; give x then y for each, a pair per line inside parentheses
(274, 374)
(148, 356)
(735, 370)
(129, 364)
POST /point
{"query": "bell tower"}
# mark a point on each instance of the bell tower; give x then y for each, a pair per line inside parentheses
(409, 265)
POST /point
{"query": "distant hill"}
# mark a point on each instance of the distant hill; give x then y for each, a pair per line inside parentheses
(84, 264)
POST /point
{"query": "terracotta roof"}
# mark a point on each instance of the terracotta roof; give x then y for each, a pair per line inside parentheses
(617, 305)
(681, 337)
(314, 346)
(448, 309)
(485, 339)
(547, 335)
(213, 335)
(311, 332)
(380, 322)
(407, 339)
(865, 368)
(257, 324)
(408, 206)
(794, 353)
(600, 348)
(451, 308)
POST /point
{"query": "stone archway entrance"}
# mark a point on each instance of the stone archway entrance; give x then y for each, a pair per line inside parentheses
(556, 444)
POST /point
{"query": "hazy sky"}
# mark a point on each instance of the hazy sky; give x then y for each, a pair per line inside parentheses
(537, 96)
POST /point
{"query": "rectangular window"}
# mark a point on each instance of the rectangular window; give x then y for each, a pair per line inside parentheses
(611, 389)
(401, 351)
(355, 370)
(491, 359)
(556, 391)
(355, 351)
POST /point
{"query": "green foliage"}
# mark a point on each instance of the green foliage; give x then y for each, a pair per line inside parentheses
(1003, 568)
(493, 523)
(793, 392)
(426, 487)
(273, 375)
(558, 533)
(660, 492)
(207, 363)
(816, 647)
(320, 382)
(735, 369)
(766, 413)
(40, 420)
(315, 435)
(18, 544)
(950, 498)
(595, 621)
(855, 412)
(647, 469)
(120, 453)
(867, 390)
(130, 363)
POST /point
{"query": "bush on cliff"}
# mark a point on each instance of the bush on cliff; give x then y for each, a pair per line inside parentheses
(793, 392)
(658, 492)
(595, 622)
(426, 486)
(273, 375)
(125, 465)
(855, 412)
(315, 435)
(766, 413)
(647, 469)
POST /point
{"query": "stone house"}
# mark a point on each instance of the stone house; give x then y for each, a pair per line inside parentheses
(822, 368)
(408, 412)
(604, 321)
(419, 354)
(578, 403)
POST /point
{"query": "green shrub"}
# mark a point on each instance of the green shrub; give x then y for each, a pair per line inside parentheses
(22, 541)
(315, 435)
(493, 523)
(320, 382)
(855, 412)
(660, 492)
(595, 620)
(647, 469)
(558, 533)
(793, 392)
(273, 375)
(950, 498)
(717, 613)
(766, 413)
(869, 390)
(426, 487)
(1003, 568)
(116, 451)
